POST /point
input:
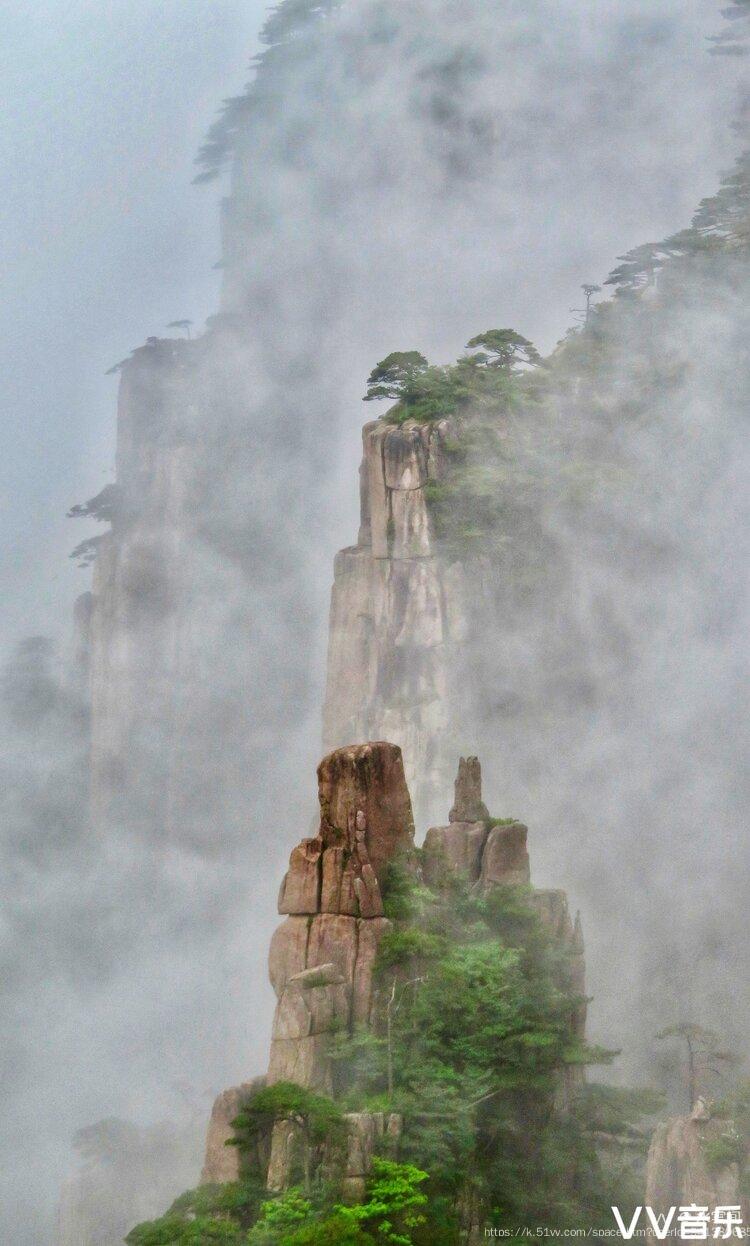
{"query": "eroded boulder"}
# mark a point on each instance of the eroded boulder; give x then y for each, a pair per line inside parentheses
(505, 860)
(222, 1162)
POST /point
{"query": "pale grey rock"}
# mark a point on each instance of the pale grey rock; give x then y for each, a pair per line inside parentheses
(505, 860)
(456, 848)
(677, 1170)
(222, 1162)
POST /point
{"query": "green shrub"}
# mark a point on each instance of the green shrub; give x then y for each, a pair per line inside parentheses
(279, 1217)
(728, 1148)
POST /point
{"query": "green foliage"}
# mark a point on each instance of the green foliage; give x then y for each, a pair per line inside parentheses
(317, 1115)
(402, 947)
(106, 507)
(336, 1230)
(730, 1147)
(210, 1214)
(428, 393)
(393, 1202)
(733, 1145)
(399, 891)
(174, 1231)
(279, 1217)
(293, 17)
(480, 1031)
(236, 1198)
(86, 551)
(504, 349)
(287, 24)
(399, 376)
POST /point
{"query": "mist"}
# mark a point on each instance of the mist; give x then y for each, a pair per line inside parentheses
(418, 175)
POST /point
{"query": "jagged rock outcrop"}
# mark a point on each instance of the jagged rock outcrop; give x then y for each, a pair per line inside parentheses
(348, 1162)
(366, 1132)
(222, 1161)
(399, 611)
(680, 1170)
(488, 853)
(468, 805)
(321, 957)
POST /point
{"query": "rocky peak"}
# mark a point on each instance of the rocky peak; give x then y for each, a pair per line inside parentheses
(322, 956)
(487, 851)
(468, 805)
(365, 821)
(679, 1171)
(399, 611)
(364, 802)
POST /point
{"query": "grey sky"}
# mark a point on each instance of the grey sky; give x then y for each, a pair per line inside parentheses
(104, 240)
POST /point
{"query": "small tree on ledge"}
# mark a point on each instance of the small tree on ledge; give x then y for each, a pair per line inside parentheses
(703, 1056)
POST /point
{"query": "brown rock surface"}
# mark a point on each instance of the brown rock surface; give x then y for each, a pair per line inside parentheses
(286, 1143)
(287, 954)
(370, 934)
(468, 805)
(300, 891)
(316, 1001)
(321, 963)
(366, 782)
(505, 859)
(456, 848)
(334, 938)
(222, 1162)
(301, 1060)
(400, 611)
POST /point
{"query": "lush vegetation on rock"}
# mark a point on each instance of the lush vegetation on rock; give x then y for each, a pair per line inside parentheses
(476, 1040)
(241, 1214)
(476, 1047)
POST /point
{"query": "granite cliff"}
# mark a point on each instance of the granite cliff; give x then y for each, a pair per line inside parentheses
(695, 1160)
(323, 959)
(400, 611)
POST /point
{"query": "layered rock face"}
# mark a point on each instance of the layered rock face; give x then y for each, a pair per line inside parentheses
(204, 600)
(148, 642)
(491, 853)
(221, 1161)
(322, 956)
(399, 611)
(678, 1169)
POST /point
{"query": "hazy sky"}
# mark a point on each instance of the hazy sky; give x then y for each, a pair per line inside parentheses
(104, 240)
